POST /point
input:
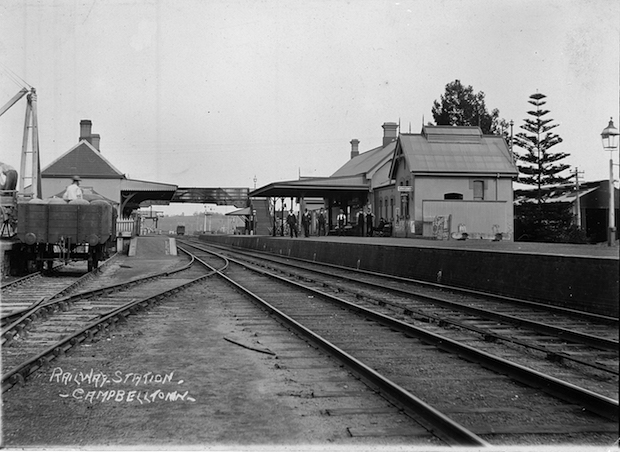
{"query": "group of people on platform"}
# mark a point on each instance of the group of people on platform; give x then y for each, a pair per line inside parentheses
(365, 223)
(306, 220)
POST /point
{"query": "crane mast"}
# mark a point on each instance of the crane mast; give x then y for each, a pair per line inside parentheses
(31, 133)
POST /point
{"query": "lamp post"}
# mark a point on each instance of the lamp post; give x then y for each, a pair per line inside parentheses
(609, 135)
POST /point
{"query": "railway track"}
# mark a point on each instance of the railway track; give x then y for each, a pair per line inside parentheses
(463, 395)
(574, 346)
(57, 324)
(23, 293)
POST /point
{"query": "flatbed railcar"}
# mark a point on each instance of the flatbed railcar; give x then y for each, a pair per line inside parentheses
(54, 229)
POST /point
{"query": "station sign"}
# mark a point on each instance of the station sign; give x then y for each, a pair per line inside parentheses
(408, 188)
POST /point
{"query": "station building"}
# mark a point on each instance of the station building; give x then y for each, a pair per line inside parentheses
(99, 176)
(443, 182)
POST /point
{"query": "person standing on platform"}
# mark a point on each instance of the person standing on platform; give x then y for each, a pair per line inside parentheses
(382, 224)
(321, 222)
(341, 220)
(370, 221)
(305, 222)
(360, 223)
(73, 191)
(291, 220)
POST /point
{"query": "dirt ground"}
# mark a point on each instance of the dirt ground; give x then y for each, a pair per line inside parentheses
(173, 381)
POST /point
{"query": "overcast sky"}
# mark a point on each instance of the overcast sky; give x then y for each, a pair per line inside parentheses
(214, 93)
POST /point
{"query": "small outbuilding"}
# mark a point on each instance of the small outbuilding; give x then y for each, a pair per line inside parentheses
(588, 201)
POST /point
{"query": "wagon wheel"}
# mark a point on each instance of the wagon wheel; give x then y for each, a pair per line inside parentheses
(8, 223)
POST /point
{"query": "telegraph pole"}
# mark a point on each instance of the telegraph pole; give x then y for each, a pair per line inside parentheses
(578, 173)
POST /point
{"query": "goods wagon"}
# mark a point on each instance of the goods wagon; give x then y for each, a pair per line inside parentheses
(54, 229)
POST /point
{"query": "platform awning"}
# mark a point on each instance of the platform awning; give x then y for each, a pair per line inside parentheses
(134, 192)
(320, 187)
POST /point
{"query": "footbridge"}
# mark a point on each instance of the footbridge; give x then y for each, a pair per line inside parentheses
(237, 197)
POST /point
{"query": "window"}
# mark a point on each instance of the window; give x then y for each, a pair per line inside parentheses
(479, 190)
(453, 196)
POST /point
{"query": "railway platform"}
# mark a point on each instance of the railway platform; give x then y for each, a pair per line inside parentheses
(584, 277)
(558, 249)
(147, 254)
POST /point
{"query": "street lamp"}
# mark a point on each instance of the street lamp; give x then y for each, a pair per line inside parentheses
(609, 135)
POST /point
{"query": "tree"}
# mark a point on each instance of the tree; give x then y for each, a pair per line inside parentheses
(541, 221)
(460, 106)
(539, 166)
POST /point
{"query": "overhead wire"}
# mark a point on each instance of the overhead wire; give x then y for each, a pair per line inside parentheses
(15, 78)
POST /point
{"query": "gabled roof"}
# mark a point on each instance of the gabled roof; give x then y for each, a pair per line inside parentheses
(366, 162)
(453, 149)
(83, 160)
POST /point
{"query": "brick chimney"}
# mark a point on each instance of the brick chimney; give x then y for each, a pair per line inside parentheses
(94, 140)
(354, 147)
(86, 133)
(85, 129)
(390, 132)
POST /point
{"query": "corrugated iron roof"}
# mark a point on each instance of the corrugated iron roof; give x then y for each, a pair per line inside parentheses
(451, 152)
(366, 161)
(318, 186)
(557, 193)
(449, 133)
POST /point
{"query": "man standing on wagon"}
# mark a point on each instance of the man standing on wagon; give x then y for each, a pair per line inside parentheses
(73, 191)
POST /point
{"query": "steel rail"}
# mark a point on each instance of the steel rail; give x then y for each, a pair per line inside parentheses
(25, 312)
(46, 303)
(455, 289)
(562, 333)
(21, 280)
(596, 403)
(20, 373)
(552, 355)
(489, 336)
(435, 421)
